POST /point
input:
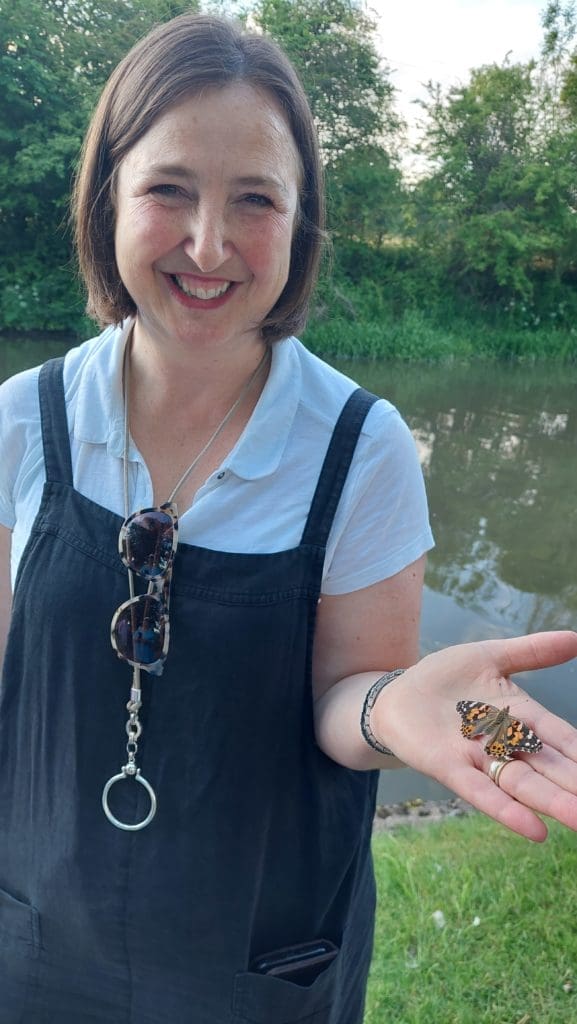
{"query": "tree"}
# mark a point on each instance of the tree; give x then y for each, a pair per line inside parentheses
(569, 90)
(479, 137)
(365, 198)
(560, 24)
(502, 174)
(331, 43)
(54, 59)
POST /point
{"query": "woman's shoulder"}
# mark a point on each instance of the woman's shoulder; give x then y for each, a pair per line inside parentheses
(325, 390)
(19, 397)
(19, 436)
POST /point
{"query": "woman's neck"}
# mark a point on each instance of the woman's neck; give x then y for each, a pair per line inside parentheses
(202, 383)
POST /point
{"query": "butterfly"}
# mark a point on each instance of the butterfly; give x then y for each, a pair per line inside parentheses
(507, 735)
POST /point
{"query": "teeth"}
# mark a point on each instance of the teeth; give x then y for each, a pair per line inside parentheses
(202, 293)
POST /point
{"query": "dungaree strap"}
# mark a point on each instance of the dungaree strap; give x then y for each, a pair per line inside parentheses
(336, 466)
(55, 436)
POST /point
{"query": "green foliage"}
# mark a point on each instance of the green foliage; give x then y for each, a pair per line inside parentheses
(409, 339)
(479, 131)
(415, 336)
(54, 59)
(480, 138)
(365, 197)
(35, 301)
(393, 303)
(569, 90)
(331, 43)
(498, 212)
(559, 22)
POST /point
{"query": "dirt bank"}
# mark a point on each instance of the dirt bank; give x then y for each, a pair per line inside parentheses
(418, 812)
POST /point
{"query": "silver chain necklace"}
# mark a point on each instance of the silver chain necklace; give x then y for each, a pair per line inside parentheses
(126, 394)
(133, 725)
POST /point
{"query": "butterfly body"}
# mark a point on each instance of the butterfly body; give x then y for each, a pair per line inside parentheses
(506, 735)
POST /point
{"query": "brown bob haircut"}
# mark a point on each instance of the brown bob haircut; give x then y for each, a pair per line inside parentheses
(177, 59)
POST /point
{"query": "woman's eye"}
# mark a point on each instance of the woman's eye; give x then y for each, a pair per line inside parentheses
(166, 190)
(257, 199)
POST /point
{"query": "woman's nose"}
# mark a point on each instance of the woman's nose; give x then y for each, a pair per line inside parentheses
(207, 243)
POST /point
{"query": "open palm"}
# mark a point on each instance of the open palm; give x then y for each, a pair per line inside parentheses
(416, 717)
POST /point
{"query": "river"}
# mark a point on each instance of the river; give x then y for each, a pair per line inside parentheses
(498, 446)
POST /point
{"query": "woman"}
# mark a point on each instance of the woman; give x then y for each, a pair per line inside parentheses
(273, 576)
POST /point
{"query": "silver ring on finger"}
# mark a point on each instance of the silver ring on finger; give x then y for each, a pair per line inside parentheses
(496, 767)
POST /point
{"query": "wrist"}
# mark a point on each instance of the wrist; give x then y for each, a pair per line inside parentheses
(370, 700)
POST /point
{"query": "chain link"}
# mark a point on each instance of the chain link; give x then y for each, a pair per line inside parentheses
(130, 769)
(133, 731)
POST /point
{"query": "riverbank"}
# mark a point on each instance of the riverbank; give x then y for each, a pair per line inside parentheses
(418, 812)
(414, 336)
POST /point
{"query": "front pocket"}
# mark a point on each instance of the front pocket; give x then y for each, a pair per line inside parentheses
(19, 949)
(19, 926)
(264, 999)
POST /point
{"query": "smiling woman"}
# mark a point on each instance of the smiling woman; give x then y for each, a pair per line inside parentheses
(217, 549)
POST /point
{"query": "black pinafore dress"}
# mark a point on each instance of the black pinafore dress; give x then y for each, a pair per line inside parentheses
(260, 841)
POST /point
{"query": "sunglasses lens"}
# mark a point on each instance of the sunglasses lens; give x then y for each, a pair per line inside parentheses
(139, 630)
(147, 542)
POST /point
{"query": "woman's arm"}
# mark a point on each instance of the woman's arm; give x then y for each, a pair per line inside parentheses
(5, 590)
(416, 717)
(358, 637)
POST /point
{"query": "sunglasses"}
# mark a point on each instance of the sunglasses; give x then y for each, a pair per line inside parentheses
(140, 628)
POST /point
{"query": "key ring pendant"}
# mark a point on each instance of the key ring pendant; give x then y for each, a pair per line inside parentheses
(129, 771)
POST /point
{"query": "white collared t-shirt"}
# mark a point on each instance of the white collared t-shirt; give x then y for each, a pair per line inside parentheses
(258, 499)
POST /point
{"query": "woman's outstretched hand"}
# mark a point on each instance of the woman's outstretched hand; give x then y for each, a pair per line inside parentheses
(416, 717)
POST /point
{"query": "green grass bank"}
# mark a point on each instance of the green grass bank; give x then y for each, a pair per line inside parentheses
(475, 925)
(415, 337)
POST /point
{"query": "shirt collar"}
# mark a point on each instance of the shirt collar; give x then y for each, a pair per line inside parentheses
(99, 413)
(260, 447)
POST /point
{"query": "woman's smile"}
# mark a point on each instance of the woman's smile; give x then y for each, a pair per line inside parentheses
(199, 293)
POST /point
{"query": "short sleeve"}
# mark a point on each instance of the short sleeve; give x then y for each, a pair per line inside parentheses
(20, 439)
(382, 523)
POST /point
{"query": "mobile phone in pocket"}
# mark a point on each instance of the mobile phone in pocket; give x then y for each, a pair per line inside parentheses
(300, 964)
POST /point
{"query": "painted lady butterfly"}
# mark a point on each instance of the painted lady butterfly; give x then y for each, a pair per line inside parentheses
(507, 735)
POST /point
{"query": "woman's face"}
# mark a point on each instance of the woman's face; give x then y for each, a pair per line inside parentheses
(206, 204)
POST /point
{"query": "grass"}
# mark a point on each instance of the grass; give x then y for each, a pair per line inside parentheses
(414, 336)
(507, 953)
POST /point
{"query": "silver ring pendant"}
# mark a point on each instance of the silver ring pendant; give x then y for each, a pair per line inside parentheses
(126, 773)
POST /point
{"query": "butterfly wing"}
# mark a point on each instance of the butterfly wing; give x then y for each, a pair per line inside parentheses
(476, 717)
(514, 737)
(497, 744)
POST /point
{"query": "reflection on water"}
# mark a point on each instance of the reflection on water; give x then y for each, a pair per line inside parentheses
(499, 452)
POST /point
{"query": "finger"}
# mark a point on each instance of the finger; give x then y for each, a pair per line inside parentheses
(555, 732)
(537, 650)
(533, 789)
(477, 789)
(552, 765)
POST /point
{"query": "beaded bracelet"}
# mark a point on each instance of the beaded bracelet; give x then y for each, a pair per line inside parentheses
(368, 705)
